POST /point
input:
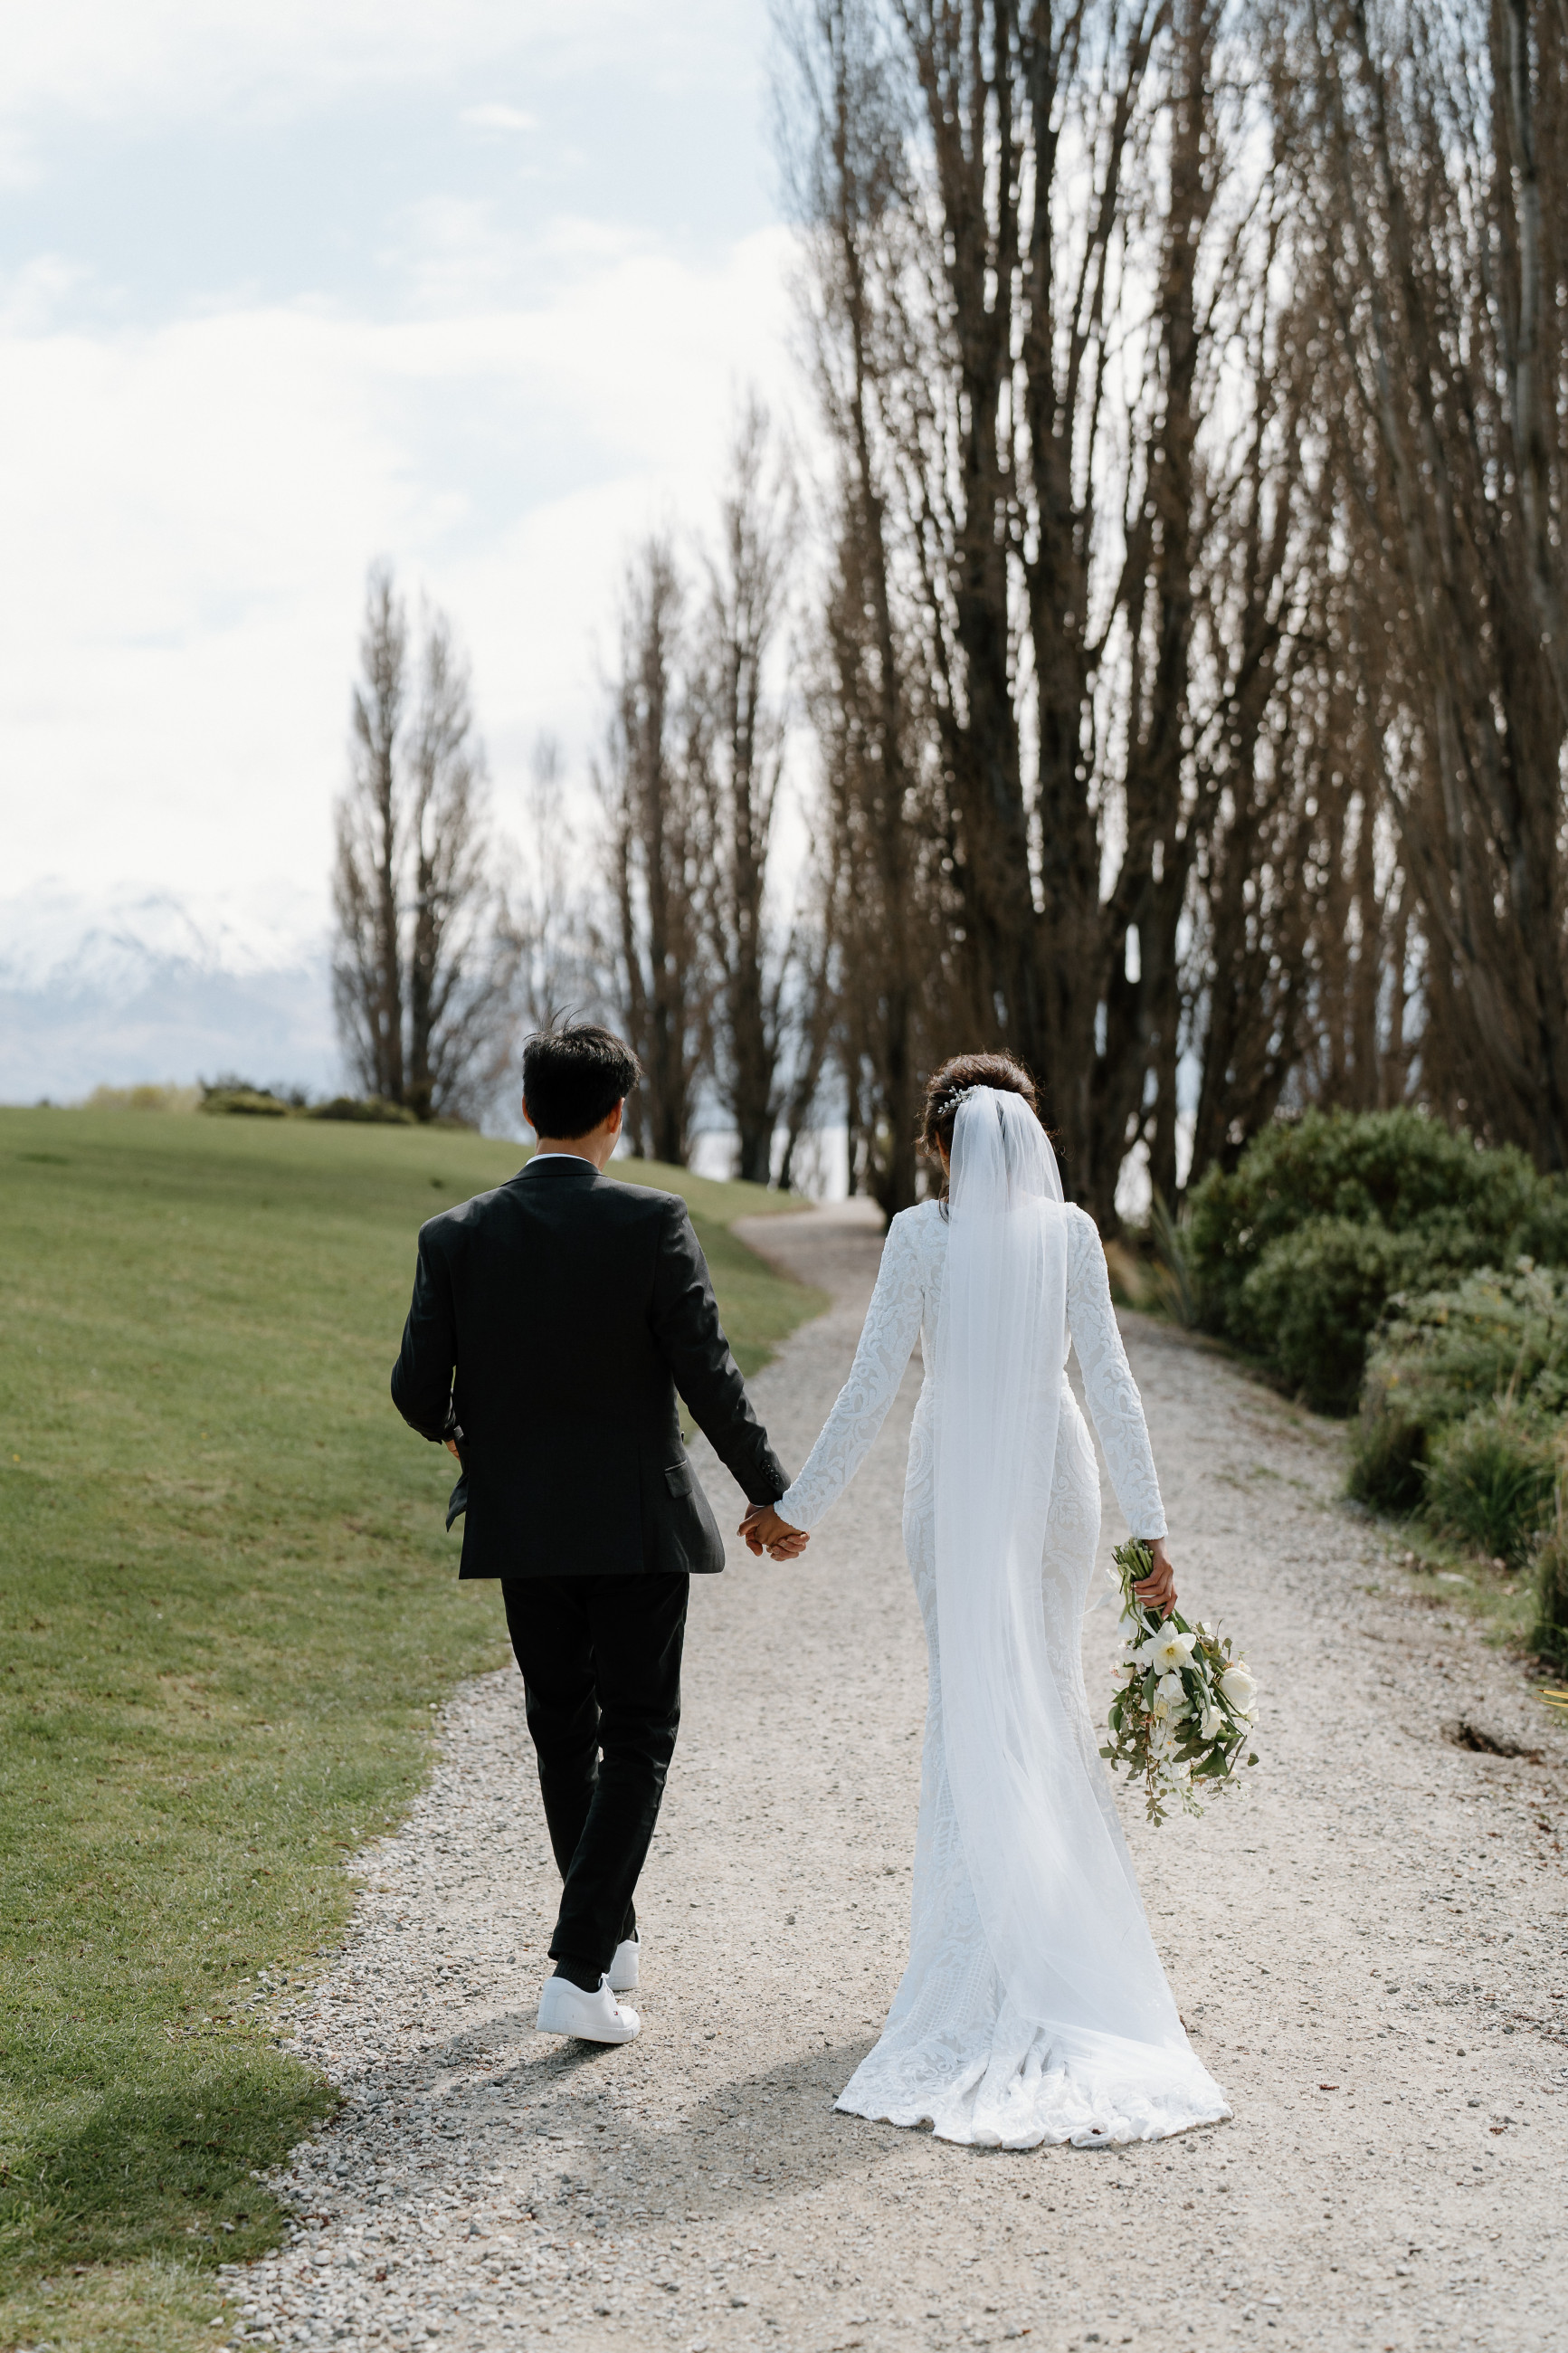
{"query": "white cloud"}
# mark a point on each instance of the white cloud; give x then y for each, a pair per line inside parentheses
(199, 454)
(171, 59)
(189, 511)
(498, 118)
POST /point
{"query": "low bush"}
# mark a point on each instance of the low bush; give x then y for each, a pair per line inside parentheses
(247, 1102)
(1314, 1298)
(1295, 1252)
(143, 1098)
(1549, 1636)
(368, 1108)
(1443, 1353)
(1171, 1273)
(1130, 1280)
(1387, 1460)
(1490, 1480)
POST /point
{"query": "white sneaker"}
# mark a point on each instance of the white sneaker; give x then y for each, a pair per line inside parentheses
(566, 2009)
(622, 1977)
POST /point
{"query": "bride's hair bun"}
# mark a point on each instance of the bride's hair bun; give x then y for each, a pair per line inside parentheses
(946, 1087)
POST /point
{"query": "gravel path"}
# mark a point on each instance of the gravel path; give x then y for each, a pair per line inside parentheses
(1371, 1950)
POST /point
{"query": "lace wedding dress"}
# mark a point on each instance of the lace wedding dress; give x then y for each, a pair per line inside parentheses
(1041, 2014)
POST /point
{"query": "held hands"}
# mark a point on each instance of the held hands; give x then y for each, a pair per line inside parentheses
(1158, 1590)
(765, 1533)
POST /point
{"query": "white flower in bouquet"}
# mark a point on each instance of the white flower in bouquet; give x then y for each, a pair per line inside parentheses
(1211, 1723)
(1171, 1687)
(1168, 1648)
(1239, 1687)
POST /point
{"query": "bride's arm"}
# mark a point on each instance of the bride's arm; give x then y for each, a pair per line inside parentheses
(892, 1322)
(1107, 1381)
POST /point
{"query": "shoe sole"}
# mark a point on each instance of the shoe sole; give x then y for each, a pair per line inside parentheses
(575, 2034)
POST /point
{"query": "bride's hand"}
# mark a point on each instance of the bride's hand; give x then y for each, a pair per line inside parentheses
(1158, 1590)
(765, 1532)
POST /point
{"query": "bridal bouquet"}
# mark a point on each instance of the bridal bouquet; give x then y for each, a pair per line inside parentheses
(1184, 1702)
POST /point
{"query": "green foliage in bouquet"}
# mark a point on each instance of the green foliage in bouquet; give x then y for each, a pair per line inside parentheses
(1185, 1704)
(1296, 1250)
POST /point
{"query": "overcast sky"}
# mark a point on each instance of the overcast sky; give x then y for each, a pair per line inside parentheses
(287, 284)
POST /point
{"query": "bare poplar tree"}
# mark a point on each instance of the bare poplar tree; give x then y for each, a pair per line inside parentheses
(654, 850)
(813, 1025)
(1033, 245)
(741, 748)
(548, 924)
(1438, 194)
(424, 961)
(844, 128)
(367, 962)
(462, 957)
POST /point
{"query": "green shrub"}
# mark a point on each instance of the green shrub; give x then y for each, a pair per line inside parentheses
(1387, 1459)
(1171, 1273)
(1442, 1354)
(1549, 1637)
(143, 1098)
(248, 1102)
(1490, 1480)
(1130, 1285)
(369, 1108)
(1430, 1205)
(1313, 1298)
(1397, 1169)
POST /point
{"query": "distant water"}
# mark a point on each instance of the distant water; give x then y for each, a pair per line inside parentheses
(821, 1169)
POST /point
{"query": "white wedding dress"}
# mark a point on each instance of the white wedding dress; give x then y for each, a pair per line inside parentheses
(1041, 2014)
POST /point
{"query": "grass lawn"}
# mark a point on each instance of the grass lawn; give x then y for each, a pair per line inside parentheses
(228, 1608)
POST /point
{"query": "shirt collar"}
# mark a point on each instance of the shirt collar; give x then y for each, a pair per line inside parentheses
(560, 1164)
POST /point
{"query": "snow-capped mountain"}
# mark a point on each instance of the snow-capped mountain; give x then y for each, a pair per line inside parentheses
(143, 986)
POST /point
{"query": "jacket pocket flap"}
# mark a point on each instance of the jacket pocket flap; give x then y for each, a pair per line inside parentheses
(679, 1479)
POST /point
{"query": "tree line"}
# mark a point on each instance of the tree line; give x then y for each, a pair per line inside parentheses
(1174, 634)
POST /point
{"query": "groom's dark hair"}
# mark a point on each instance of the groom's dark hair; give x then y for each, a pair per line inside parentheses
(574, 1077)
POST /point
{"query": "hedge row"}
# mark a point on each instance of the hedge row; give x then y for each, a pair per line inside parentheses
(256, 1103)
(1296, 1253)
(1383, 1262)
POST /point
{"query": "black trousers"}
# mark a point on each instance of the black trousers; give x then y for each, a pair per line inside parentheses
(601, 1673)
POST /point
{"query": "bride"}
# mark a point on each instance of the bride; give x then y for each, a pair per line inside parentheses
(1034, 2007)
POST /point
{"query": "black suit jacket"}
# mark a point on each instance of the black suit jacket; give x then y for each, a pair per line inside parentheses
(570, 1310)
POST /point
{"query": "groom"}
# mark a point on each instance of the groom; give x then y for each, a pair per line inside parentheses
(552, 1323)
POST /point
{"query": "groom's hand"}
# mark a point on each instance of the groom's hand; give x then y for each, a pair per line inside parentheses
(765, 1531)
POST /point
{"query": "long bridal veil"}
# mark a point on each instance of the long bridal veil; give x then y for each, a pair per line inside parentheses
(1051, 1876)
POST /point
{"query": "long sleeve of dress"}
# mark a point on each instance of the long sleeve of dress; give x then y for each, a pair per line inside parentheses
(892, 1324)
(1108, 1382)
